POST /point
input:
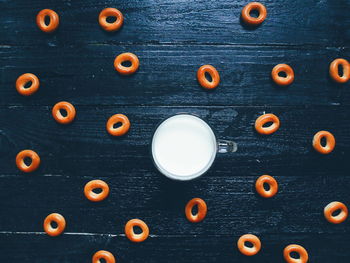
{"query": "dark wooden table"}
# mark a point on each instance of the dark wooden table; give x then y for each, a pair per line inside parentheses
(172, 38)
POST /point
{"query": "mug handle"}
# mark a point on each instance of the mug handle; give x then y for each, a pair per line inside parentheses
(225, 146)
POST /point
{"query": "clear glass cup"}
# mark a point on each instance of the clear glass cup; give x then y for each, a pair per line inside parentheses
(184, 147)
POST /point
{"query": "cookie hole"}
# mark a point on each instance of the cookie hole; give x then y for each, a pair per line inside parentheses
(111, 19)
(294, 255)
(63, 112)
(28, 84)
(248, 244)
(340, 70)
(137, 230)
(53, 224)
(47, 20)
(97, 190)
(27, 161)
(254, 13)
(282, 74)
(266, 186)
(323, 142)
(117, 125)
(336, 212)
(194, 210)
(208, 77)
(126, 63)
(267, 124)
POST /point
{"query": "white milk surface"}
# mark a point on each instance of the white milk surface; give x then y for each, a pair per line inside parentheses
(183, 146)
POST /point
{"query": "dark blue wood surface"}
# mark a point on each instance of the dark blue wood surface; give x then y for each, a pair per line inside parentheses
(173, 38)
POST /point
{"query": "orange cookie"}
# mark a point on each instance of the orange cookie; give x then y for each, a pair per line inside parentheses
(27, 78)
(330, 142)
(111, 12)
(53, 21)
(285, 80)
(126, 70)
(249, 251)
(129, 230)
(266, 179)
(33, 156)
(334, 70)
(118, 118)
(105, 255)
(96, 184)
(303, 255)
(331, 208)
(202, 210)
(63, 106)
(59, 220)
(266, 118)
(214, 75)
(250, 20)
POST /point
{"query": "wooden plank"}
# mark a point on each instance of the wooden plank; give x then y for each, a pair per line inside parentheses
(85, 148)
(72, 248)
(167, 76)
(233, 205)
(300, 22)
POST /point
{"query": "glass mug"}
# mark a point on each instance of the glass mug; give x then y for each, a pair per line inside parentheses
(184, 147)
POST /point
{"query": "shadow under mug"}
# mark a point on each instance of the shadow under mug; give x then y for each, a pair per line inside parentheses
(184, 147)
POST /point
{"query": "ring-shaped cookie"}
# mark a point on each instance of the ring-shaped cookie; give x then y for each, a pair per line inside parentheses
(330, 142)
(103, 254)
(331, 208)
(129, 230)
(96, 184)
(250, 20)
(68, 108)
(263, 119)
(59, 220)
(273, 186)
(282, 81)
(33, 156)
(303, 255)
(54, 20)
(334, 70)
(202, 210)
(124, 70)
(119, 131)
(111, 12)
(23, 80)
(249, 251)
(214, 74)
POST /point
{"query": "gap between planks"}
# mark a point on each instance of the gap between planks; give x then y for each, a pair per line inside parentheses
(11, 106)
(197, 44)
(95, 234)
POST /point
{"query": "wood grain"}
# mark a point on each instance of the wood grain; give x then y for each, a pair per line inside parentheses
(313, 22)
(167, 76)
(233, 205)
(85, 148)
(321, 248)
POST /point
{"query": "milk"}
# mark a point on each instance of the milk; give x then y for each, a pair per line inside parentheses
(183, 147)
